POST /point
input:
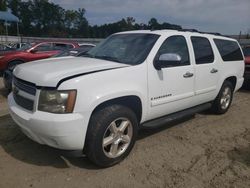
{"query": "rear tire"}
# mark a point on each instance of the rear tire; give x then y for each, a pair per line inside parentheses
(224, 99)
(111, 135)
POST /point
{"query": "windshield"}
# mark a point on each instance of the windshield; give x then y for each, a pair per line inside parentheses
(246, 51)
(129, 49)
(25, 47)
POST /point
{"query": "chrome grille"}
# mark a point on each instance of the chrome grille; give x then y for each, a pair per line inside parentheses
(25, 86)
(24, 93)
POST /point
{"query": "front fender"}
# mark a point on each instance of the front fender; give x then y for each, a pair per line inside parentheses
(95, 89)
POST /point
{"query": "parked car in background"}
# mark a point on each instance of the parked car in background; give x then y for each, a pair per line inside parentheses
(246, 51)
(5, 48)
(31, 52)
(8, 74)
(17, 45)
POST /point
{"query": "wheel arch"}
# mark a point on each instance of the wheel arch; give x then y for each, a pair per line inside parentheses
(131, 101)
(20, 60)
(232, 80)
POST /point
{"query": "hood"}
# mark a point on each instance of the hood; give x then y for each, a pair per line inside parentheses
(50, 72)
(247, 59)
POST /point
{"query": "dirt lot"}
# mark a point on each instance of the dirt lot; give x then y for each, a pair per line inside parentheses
(205, 151)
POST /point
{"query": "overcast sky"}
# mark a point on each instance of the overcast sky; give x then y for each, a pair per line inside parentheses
(224, 16)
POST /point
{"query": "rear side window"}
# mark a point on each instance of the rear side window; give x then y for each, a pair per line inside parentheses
(202, 50)
(44, 47)
(229, 50)
(62, 46)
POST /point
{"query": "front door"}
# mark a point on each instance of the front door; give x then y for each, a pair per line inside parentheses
(171, 89)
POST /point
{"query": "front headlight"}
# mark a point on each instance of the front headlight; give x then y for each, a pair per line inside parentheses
(58, 102)
(1, 57)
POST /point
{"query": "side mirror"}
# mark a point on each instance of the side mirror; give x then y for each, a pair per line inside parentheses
(33, 51)
(167, 60)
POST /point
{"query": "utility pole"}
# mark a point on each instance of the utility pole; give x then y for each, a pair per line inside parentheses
(6, 27)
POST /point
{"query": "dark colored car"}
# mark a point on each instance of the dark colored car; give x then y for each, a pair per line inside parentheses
(246, 51)
(7, 76)
(31, 52)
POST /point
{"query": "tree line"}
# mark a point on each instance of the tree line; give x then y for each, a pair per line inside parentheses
(47, 19)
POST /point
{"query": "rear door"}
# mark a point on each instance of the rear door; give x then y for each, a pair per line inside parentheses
(206, 69)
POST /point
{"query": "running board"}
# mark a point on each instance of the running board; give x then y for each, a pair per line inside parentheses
(175, 116)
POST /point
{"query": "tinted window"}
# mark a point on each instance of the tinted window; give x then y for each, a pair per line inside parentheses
(202, 50)
(229, 50)
(175, 45)
(61, 46)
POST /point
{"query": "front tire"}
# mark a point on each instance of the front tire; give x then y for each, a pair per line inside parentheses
(111, 135)
(224, 99)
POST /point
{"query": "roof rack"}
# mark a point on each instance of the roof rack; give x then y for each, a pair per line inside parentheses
(190, 30)
(201, 32)
(197, 31)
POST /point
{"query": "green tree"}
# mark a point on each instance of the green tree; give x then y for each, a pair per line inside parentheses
(82, 24)
(14, 5)
(3, 5)
(153, 24)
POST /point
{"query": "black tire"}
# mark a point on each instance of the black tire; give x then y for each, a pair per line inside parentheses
(99, 126)
(13, 64)
(218, 106)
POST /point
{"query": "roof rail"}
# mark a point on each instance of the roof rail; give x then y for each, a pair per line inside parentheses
(202, 32)
(197, 31)
(190, 30)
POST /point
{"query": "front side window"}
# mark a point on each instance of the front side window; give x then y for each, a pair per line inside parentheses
(229, 50)
(175, 45)
(202, 50)
(129, 49)
(44, 47)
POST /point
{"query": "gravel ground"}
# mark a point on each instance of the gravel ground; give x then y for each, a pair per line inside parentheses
(3, 95)
(201, 151)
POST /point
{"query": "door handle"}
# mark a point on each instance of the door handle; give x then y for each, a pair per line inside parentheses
(214, 71)
(188, 75)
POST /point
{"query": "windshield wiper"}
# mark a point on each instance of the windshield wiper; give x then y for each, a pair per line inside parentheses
(109, 58)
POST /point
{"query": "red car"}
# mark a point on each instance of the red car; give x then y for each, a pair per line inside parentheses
(246, 51)
(31, 52)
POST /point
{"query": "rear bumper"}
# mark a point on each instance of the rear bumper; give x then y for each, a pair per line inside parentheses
(62, 131)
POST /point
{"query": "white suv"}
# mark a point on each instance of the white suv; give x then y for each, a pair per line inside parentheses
(131, 80)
